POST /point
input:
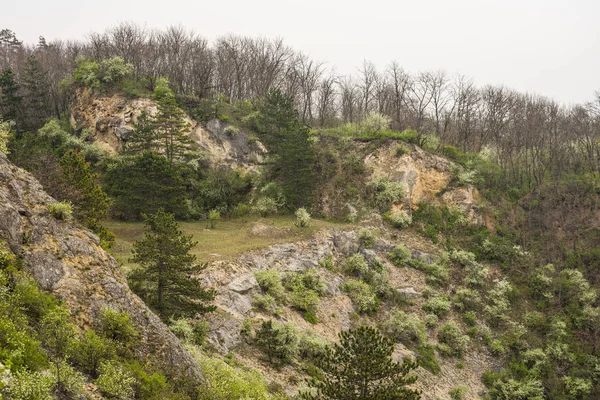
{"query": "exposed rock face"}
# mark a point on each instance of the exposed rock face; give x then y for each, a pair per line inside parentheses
(110, 120)
(69, 262)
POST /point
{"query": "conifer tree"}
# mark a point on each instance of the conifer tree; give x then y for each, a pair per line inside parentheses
(165, 279)
(170, 125)
(287, 138)
(10, 100)
(361, 367)
(36, 89)
(143, 137)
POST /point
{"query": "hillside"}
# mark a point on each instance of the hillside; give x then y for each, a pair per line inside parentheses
(211, 222)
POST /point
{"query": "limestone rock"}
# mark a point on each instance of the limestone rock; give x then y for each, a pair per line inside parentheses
(68, 261)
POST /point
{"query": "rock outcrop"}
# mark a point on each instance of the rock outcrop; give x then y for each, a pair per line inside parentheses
(68, 261)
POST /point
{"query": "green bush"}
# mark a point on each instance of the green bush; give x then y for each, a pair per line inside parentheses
(91, 350)
(27, 385)
(356, 265)
(72, 382)
(451, 335)
(327, 263)
(264, 302)
(470, 318)
(438, 305)
(399, 255)
(459, 392)
(183, 329)
(366, 238)
(385, 192)
(466, 299)
(431, 320)
(399, 218)
(302, 218)
(405, 328)
(212, 218)
(269, 281)
(311, 346)
(362, 295)
(401, 150)
(114, 381)
(116, 325)
(265, 206)
(61, 210)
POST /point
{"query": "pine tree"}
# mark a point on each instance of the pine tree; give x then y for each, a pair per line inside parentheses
(361, 367)
(287, 139)
(165, 277)
(36, 89)
(170, 125)
(277, 341)
(89, 200)
(10, 101)
(143, 137)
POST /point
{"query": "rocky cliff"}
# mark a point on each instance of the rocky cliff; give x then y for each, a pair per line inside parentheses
(68, 261)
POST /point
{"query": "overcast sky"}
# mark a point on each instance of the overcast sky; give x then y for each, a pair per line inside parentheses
(550, 47)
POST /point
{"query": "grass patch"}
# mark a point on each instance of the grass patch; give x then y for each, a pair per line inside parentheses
(228, 240)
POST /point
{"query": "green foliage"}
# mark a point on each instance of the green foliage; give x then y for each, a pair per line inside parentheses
(361, 366)
(114, 381)
(385, 192)
(6, 133)
(399, 255)
(306, 288)
(366, 238)
(117, 326)
(109, 72)
(270, 282)
(401, 150)
(212, 218)
(115, 70)
(356, 265)
(438, 305)
(398, 218)
(225, 382)
(405, 328)
(61, 210)
(287, 140)
(91, 350)
(264, 302)
(277, 341)
(221, 189)
(363, 297)
(10, 100)
(143, 184)
(302, 218)
(27, 385)
(459, 392)
(311, 346)
(164, 279)
(265, 206)
(86, 73)
(451, 335)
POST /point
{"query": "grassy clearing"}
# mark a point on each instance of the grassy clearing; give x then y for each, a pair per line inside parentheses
(229, 239)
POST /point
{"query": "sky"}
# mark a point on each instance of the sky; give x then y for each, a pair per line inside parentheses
(548, 47)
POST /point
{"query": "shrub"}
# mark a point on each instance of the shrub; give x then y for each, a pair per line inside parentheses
(499, 302)
(328, 263)
(401, 150)
(466, 299)
(459, 392)
(270, 282)
(264, 302)
(241, 210)
(431, 320)
(366, 238)
(117, 326)
(451, 335)
(496, 347)
(311, 346)
(362, 295)
(201, 329)
(182, 329)
(91, 350)
(265, 206)
(61, 210)
(405, 328)
(399, 218)
(72, 382)
(114, 381)
(438, 305)
(356, 265)
(115, 69)
(470, 318)
(302, 218)
(385, 193)
(373, 123)
(27, 385)
(212, 218)
(306, 300)
(6, 132)
(399, 255)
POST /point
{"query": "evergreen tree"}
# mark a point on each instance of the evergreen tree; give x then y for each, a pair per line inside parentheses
(10, 101)
(361, 367)
(143, 184)
(277, 341)
(143, 137)
(89, 200)
(36, 90)
(287, 138)
(170, 125)
(165, 277)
